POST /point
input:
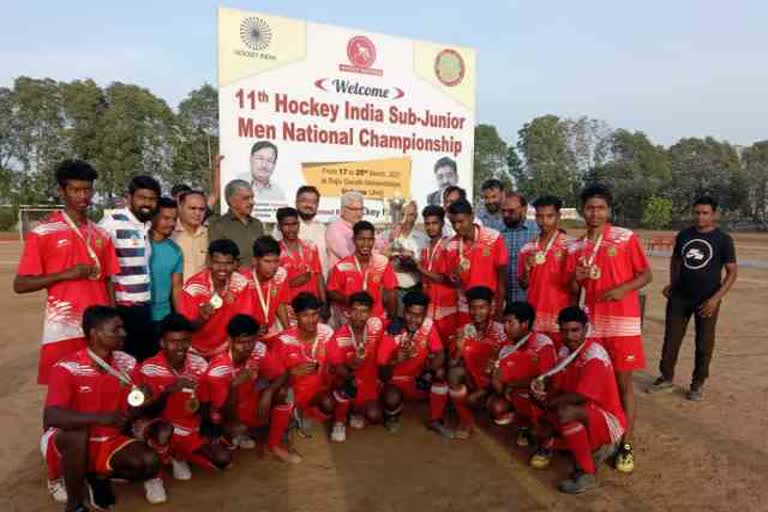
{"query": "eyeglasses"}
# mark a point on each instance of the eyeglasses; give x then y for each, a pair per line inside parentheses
(261, 159)
(355, 208)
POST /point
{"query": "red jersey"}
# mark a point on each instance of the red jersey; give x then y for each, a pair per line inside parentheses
(548, 280)
(478, 262)
(348, 277)
(425, 341)
(267, 297)
(306, 258)
(291, 351)
(537, 355)
(343, 347)
(591, 375)
(53, 246)
(78, 384)
(443, 299)
(479, 350)
(619, 258)
(211, 338)
(181, 407)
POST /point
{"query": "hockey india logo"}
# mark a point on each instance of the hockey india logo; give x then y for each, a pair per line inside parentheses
(450, 67)
(255, 33)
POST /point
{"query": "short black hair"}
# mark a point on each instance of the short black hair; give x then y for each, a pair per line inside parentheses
(180, 188)
(286, 212)
(549, 200)
(307, 189)
(433, 211)
(94, 316)
(454, 188)
(264, 144)
(480, 293)
(521, 310)
(265, 245)
(361, 226)
(242, 325)
(224, 246)
(492, 183)
(462, 206)
(597, 190)
(187, 193)
(415, 298)
(363, 298)
(706, 200)
(72, 169)
(174, 322)
(518, 195)
(572, 314)
(445, 161)
(144, 183)
(166, 202)
(305, 301)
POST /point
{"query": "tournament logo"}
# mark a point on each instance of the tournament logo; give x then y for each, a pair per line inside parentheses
(449, 67)
(361, 53)
(255, 33)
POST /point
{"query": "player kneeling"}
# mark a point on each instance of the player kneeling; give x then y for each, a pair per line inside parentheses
(303, 352)
(246, 391)
(352, 356)
(174, 377)
(477, 347)
(583, 407)
(412, 361)
(525, 355)
(92, 397)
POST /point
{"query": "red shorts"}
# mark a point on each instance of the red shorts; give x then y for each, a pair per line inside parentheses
(446, 328)
(304, 395)
(185, 442)
(248, 412)
(101, 449)
(526, 411)
(51, 353)
(367, 391)
(626, 352)
(407, 385)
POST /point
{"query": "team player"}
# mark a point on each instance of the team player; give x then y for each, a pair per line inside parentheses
(300, 258)
(352, 357)
(270, 288)
(583, 405)
(442, 293)
(364, 271)
(92, 397)
(72, 259)
(608, 266)
(412, 359)
(473, 358)
(246, 387)
(541, 267)
(175, 380)
(525, 355)
(477, 256)
(213, 296)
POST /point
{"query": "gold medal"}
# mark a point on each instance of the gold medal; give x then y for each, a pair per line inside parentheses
(193, 403)
(595, 272)
(136, 397)
(540, 258)
(216, 301)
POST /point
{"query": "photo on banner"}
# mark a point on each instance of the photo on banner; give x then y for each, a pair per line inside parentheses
(309, 104)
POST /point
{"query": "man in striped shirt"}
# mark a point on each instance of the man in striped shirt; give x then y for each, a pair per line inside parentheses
(129, 229)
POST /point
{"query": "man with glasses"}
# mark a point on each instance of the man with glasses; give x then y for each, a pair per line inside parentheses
(263, 160)
(338, 236)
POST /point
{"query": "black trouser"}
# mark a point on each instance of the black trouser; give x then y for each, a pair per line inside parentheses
(141, 339)
(679, 311)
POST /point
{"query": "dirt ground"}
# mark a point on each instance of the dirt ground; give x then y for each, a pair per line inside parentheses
(711, 455)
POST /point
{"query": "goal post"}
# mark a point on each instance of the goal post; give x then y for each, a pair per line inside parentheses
(30, 216)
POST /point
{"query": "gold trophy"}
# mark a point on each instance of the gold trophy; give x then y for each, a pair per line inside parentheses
(396, 204)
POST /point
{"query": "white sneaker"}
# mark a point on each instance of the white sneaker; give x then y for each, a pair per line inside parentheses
(154, 491)
(57, 490)
(245, 443)
(181, 469)
(339, 433)
(357, 421)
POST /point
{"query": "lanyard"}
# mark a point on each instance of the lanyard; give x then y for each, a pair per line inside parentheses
(595, 249)
(359, 348)
(313, 353)
(265, 304)
(360, 270)
(431, 254)
(124, 379)
(87, 241)
(549, 244)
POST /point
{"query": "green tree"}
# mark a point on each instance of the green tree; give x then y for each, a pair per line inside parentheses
(490, 158)
(755, 160)
(657, 213)
(196, 139)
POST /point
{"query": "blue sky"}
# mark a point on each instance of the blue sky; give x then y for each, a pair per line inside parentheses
(670, 68)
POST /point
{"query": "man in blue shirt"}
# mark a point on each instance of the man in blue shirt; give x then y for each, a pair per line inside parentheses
(490, 213)
(166, 263)
(517, 231)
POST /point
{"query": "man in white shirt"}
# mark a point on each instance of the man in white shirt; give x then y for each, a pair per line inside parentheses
(307, 202)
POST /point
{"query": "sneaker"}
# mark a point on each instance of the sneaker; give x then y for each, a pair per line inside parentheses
(357, 421)
(578, 483)
(244, 442)
(154, 491)
(181, 470)
(440, 427)
(660, 385)
(284, 455)
(695, 394)
(541, 458)
(100, 493)
(392, 424)
(625, 459)
(57, 490)
(524, 437)
(339, 432)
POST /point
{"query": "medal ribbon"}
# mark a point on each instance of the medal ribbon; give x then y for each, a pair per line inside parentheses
(549, 244)
(364, 274)
(213, 289)
(354, 338)
(265, 304)
(124, 379)
(431, 254)
(76, 229)
(562, 364)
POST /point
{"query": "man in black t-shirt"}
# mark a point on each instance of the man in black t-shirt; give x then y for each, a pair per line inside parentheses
(696, 288)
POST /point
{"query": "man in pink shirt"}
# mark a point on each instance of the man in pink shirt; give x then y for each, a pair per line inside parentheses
(338, 236)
